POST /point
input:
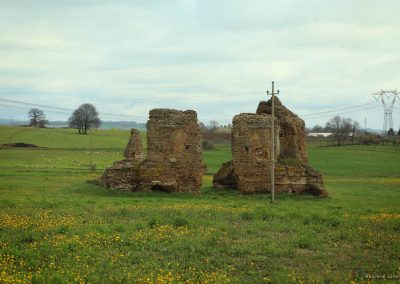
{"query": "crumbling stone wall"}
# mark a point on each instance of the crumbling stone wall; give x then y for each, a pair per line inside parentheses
(292, 130)
(251, 151)
(226, 177)
(134, 149)
(250, 169)
(174, 160)
(175, 154)
(121, 174)
(298, 178)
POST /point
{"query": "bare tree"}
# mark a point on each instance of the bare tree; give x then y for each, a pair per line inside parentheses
(76, 120)
(355, 128)
(84, 118)
(340, 127)
(203, 127)
(213, 125)
(318, 128)
(334, 125)
(347, 124)
(37, 118)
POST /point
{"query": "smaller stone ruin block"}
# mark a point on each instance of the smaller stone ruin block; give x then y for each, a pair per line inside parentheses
(175, 152)
(120, 174)
(174, 160)
(134, 149)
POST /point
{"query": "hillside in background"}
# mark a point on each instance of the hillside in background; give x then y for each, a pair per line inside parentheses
(104, 125)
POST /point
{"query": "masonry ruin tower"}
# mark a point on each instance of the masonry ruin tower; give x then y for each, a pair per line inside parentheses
(387, 98)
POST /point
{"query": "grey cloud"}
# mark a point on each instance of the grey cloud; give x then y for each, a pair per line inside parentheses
(100, 51)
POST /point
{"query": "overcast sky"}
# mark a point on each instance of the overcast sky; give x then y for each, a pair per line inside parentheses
(216, 57)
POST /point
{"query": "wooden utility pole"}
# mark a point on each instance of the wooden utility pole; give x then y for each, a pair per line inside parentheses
(273, 142)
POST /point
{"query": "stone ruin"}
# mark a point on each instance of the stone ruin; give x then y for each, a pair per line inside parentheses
(121, 174)
(134, 149)
(174, 155)
(250, 169)
(174, 160)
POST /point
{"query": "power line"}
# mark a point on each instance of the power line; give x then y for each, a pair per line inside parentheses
(335, 95)
(60, 110)
(180, 87)
(33, 104)
(308, 95)
(341, 113)
(184, 98)
(111, 114)
(335, 110)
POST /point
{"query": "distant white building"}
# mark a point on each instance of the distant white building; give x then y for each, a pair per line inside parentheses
(316, 134)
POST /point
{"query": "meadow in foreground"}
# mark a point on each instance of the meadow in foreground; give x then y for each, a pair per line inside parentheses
(56, 227)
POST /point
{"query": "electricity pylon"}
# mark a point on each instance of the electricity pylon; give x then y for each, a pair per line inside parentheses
(387, 98)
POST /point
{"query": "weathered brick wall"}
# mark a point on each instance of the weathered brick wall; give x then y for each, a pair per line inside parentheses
(292, 130)
(174, 160)
(251, 149)
(174, 144)
(250, 169)
(121, 174)
(134, 148)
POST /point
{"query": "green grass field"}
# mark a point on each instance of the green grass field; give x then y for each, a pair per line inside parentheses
(56, 227)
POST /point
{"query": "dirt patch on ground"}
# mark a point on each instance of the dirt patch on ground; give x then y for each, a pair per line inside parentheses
(20, 145)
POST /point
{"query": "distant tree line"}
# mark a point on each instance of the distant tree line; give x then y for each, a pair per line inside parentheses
(343, 129)
(347, 131)
(83, 118)
(214, 126)
(392, 137)
(391, 133)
